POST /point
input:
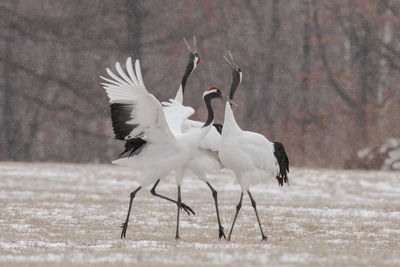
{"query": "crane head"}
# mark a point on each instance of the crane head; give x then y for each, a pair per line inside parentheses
(236, 71)
(193, 56)
(214, 92)
(236, 74)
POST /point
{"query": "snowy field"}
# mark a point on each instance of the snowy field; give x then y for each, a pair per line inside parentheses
(64, 214)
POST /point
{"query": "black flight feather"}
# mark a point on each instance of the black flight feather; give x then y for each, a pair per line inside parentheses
(120, 115)
(134, 145)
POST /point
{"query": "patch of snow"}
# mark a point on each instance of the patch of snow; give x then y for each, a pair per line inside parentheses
(32, 258)
(381, 186)
(332, 212)
(21, 227)
(334, 233)
(335, 241)
(391, 231)
(295, 258)
(389, 143)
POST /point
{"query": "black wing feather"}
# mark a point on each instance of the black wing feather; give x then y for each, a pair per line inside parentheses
(134, 146)
(120, 115)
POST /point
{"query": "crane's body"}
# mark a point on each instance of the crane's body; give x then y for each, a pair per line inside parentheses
(251, 156)
(176, 115)
(203, 163)
(205, 158)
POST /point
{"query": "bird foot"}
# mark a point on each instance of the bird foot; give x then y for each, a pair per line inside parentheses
(221, 233)
(177, 237)
(264, 238)
(185, 208)
(124, 227)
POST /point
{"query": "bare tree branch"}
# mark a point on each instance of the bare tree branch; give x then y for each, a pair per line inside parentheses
(392, 9)
(336, 86)
(57, 80)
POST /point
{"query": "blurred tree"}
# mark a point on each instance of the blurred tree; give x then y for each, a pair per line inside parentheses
(320, 76)
(358, 82)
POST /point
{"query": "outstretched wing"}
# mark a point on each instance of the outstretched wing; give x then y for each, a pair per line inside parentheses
(134, 111)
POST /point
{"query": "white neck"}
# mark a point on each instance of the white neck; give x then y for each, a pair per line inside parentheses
(179, 95)
(230, 125)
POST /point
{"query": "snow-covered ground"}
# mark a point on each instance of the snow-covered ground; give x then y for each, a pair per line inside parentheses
(68, 214)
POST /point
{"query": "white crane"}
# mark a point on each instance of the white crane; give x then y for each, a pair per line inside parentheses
(140, 114)
(205, 160)
(173, 111)
(251, 156)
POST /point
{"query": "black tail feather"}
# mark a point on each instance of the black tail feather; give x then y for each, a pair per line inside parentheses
(283, 161)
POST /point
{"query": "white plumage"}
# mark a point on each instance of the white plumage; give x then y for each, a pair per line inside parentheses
(251, 156)
(204, 160)
(167, 147)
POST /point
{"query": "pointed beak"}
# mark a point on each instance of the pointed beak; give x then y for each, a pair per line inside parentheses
(229, 62)
(188, 46)
(229, 100)
(194, 44)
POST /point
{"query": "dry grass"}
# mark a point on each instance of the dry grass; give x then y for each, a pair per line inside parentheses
(58, 214)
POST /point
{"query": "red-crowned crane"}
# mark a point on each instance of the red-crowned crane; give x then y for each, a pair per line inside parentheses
(205, 161)
(137, 113)
(251, 156)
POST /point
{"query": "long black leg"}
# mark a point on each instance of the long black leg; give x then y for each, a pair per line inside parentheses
(177, 215)
(220, 227)
(178, 203)
(253, 203)
(239, 205)
(124, 225)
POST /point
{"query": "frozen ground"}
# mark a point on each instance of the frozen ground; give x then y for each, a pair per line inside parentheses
(60, 214)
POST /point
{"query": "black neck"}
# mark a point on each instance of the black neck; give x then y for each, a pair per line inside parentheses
(207, 101)
(188, 71)
(235, 83)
